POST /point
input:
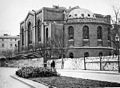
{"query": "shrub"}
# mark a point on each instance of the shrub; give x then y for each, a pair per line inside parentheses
(30, 72)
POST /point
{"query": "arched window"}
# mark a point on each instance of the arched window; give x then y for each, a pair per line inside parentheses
(85, 32)
(86, 54)
(71, 55)
(109, 34)
(39, 30)
(46, 34)
(70, 32)
(22, 33)
(82, 15)
(100, 54)
(99, 32)
(110, 54)
(29, 33)
(15, 45)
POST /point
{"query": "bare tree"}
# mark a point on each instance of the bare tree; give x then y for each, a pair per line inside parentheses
(116, 13)
(7, 53)
(15, 51)
(40, 49)
(57, 48)
(115, 26)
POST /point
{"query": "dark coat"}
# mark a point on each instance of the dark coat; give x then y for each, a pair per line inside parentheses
(53, 64)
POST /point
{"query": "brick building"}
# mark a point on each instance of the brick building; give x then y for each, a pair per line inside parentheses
(84, 33)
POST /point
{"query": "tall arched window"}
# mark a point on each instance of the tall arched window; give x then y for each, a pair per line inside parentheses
(86, 54)
(110, 54)
(15, 45)
(22, 33)
(85, 32)
(29, 33)
(39, 30)
(109, 34)
(99, 32)
(46, 34)
(71, 55)
(70, 32)
(100, 54)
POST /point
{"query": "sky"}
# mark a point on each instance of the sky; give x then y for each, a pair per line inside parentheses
(12, 12)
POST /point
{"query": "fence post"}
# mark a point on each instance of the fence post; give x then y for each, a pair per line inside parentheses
(84, 64)
(100, 63)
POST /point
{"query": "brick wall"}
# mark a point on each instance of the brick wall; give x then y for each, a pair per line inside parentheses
(53, 14)
(78, 40)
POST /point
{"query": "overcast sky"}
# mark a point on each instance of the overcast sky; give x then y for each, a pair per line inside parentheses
(12, 12)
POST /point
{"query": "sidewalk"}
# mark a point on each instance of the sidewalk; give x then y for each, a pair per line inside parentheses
(108, 76)
(30, 83)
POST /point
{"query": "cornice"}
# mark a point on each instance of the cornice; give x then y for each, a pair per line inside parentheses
(29, 13)
(39, 11)
(9, 37)
(87, 23)
(53, 9)
(111, 48)
(87, 20)
(21, 22)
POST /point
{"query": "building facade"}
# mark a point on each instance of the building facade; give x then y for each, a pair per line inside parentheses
(83, 32)
(8, 43)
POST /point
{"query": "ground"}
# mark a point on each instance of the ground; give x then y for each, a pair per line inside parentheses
(7, 82)
(69, 82)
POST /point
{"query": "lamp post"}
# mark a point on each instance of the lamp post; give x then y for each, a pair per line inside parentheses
(117, 41)
(100, 55)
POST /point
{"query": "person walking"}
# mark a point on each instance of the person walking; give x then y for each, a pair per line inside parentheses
(62, 66)
(53, 65)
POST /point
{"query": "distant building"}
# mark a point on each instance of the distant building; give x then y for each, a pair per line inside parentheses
(8, 42)
(85, 33)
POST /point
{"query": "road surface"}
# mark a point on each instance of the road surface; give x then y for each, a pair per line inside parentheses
(6, 81)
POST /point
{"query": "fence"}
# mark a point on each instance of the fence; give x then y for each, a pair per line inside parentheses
(102, 63)
(92, 63)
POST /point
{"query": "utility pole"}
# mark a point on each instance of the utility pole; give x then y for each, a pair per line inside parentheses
(117, 41)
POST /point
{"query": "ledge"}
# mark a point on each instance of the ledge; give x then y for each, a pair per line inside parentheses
(87, 47)
(31, 83)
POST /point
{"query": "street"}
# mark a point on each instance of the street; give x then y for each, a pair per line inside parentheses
(8, 82)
